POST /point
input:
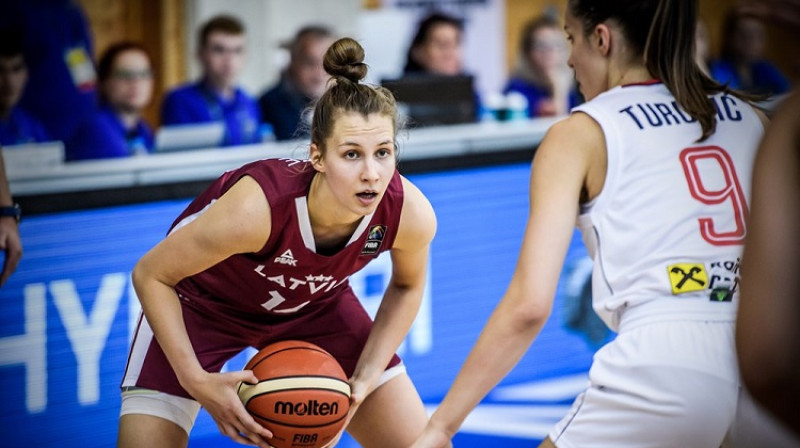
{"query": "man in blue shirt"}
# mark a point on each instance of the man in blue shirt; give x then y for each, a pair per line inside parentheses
(215, 97)
(117, 128)
(303, 81)
(16, 125)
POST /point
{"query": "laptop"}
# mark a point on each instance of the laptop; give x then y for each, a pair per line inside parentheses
(189, 136)
(431, 100)
(28, 156)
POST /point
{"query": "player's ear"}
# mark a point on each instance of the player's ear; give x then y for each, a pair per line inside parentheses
(602, 35)
(315, 155)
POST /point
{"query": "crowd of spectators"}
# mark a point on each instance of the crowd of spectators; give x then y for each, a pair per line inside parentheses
(52, 89)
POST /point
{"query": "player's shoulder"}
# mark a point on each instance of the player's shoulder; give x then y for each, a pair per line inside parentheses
(578, 127)
(417, 218)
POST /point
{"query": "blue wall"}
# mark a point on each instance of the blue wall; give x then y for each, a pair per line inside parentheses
(65, 315)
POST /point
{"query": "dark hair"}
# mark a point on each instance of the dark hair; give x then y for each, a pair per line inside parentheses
(308, 32)
(662, 33)
(223, 23)
(105, 65)
(344, 61)
(423, 34)
(11, 43)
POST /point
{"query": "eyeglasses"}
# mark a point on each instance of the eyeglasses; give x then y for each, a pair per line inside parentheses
(131, 75)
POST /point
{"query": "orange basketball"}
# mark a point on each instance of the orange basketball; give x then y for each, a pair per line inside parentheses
(302, 394)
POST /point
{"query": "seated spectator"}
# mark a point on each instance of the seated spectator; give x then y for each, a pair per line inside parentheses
(16, 125)
(742, 65)
(437, 49)
(58, 49)
(117, 128)
(302, 82)
(542, 74)
(215, 97)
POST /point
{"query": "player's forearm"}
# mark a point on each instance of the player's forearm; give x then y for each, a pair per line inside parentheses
(162, 308)
(5, 191)
(503, 341)
(392, 322)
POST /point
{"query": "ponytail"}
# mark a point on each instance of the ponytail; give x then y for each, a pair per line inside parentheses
(669, 56)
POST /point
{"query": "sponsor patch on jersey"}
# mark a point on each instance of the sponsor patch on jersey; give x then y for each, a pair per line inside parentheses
(687, 277)
(721, 294)
(374, 239)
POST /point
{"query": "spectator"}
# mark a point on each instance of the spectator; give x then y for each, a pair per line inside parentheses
(542, 74)
(215, 97)
(769, 309)
(437, 50)
(742, 65)
(302, 82)
(16, 125)
(436, 47)
(117, 128)
(58, 52)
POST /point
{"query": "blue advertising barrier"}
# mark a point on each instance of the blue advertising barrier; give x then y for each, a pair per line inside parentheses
(67, 313)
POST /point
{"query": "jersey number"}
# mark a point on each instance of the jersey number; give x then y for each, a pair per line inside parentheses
(731, 191)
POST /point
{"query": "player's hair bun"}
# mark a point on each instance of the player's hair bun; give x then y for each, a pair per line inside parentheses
(345, 60)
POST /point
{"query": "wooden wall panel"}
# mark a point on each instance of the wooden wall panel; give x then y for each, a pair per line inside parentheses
(156, 24)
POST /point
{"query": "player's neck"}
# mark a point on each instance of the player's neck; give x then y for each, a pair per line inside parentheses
(629, 75)
(328, 219)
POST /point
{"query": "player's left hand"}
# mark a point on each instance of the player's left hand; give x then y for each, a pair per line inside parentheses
(358, 392)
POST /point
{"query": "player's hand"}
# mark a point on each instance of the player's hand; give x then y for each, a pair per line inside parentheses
(216, 392)
(431, 437)
(358, 392)
(9, 242)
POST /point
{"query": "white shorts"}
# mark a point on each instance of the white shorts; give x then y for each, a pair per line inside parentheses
(666, 384)
(183, 411)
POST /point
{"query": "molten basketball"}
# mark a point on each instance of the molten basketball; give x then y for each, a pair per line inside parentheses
(302, 394)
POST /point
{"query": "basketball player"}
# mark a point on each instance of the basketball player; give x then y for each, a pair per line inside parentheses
(770, 308)
(264, 254)
(655, 169)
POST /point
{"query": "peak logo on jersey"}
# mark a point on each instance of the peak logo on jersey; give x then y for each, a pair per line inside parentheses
(687, 277)
(286, 258)
(374, 239)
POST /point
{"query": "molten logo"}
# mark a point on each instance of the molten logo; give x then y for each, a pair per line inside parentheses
(310, 407)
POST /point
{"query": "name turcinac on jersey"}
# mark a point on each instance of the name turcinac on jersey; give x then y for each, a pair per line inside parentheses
(669, 114)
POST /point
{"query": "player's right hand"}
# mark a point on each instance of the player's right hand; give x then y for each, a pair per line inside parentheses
(216, 392)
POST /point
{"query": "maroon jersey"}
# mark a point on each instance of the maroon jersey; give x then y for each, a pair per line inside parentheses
(287, 276)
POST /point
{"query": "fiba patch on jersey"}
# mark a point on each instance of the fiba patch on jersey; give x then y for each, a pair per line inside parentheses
(374, 240)
(687, 277)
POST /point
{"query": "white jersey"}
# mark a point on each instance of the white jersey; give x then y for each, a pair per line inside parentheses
(666, 232)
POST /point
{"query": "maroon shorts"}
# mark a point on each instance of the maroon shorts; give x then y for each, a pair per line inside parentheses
(341, 327)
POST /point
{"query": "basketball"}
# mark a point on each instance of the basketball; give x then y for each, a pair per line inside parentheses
(302, 394)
